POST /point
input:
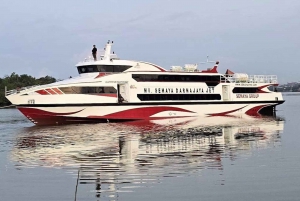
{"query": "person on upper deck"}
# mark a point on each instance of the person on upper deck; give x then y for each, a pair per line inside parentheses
(94, 52)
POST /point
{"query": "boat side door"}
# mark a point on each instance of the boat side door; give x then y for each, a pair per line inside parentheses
(226, 92)
(123, 93)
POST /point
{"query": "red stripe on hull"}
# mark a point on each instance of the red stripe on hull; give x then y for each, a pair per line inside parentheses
(41, 117)
(141, 113)
(226, 113)
(255, 110)
(57, 90)
(42, 92)
(51, 91)
(34, 111)
(107, 95)
(102, 74)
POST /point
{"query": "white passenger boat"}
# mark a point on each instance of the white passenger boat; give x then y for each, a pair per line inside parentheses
(115, 90)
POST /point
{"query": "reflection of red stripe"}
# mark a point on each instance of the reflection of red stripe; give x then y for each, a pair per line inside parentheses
(51, 91)
(141, 113)
(42, 92)
(57, 90)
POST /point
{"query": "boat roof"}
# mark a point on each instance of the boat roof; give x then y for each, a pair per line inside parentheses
(109, 58)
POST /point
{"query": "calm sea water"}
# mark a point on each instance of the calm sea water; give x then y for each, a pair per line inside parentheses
(188, 159)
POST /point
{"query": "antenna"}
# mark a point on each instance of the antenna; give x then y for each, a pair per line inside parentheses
(207, 61)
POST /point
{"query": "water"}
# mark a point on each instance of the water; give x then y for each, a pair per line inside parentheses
(190, 159)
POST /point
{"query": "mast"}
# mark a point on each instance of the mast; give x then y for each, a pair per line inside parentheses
(107, 53)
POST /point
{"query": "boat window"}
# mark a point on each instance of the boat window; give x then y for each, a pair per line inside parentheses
(210, 80)
(88, 90)
(175, 78)
(87, 69)
(102, 68)
(169, 97)
(245, 90)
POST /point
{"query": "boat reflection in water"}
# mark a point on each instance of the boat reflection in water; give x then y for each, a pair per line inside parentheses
(116, 158)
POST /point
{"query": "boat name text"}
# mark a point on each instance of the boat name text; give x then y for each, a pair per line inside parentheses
(118, 82)
(166, 90)
(245, 84)
(247, 95)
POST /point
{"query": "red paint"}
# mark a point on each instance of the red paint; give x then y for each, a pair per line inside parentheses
(102, 74)
(30, 111)
(107, 95)
(261, 87)
(41, 117)
(42, 92)
(140, 113)
(160, 68)
(229, 72)
(57, 90)
(255, 110)
(51, 91)
(213, 70)
(226, 113)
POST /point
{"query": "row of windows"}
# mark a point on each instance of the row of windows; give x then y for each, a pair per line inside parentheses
(245, 90)
(210, 80)
(102, 68)
(160, 97)
(175, 78)
(88, 90)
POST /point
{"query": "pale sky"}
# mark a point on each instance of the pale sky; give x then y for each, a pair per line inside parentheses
(49, 37)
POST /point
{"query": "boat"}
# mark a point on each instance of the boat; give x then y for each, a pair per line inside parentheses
(114, 90)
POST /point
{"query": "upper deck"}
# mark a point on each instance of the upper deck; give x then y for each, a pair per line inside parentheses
(109, 63)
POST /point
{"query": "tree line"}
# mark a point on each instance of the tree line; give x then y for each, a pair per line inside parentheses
(15, 81)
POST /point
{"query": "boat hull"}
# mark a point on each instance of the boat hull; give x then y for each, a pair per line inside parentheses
(100, 113)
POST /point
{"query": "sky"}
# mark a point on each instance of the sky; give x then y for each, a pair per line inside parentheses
(259, 37)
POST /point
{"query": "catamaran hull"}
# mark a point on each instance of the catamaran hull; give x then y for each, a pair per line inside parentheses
(101, 113)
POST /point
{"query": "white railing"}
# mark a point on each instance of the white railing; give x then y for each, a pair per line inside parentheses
(16, 91)
(250, 79)
(90, 59)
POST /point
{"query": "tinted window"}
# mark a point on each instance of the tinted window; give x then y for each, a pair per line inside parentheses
(161, 97)
(102, 68)
(87, 69)
(87, 90)
(211, 80)
(245, 90)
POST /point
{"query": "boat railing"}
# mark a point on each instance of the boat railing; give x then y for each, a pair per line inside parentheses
(244, 78)
(18, 90)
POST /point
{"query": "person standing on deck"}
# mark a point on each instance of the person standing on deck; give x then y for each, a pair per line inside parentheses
(94, 52)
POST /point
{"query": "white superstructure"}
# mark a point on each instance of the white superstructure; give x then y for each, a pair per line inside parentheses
(114, 90)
